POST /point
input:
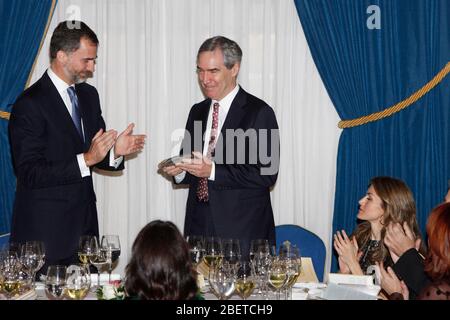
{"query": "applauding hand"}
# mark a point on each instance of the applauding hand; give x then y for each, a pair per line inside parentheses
(127, 143)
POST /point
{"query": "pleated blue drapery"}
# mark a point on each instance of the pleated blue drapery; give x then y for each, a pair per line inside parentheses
(22, 25)
(367, 70)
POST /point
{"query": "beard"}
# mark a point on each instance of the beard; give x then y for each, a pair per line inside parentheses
(80, 77)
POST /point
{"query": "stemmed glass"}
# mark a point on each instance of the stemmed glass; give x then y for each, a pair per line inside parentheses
(97, 257)
(10, 267)
(290, 256)
(259, 248)
(222, 280)
(232, 251)
(260, 258)
(111, 246)
(88, 246)
(213, 252)
(245, 280)
(277, 276)
(33, 257)
(55, 281)
(196, 249)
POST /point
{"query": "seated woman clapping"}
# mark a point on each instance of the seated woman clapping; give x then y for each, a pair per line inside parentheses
(388, 200)
(160, 267)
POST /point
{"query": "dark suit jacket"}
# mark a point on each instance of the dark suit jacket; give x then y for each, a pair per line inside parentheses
(239, 197)
(410, 268)
(53, 202)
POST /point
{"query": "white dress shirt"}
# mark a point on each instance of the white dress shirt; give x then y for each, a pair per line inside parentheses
(62, 87)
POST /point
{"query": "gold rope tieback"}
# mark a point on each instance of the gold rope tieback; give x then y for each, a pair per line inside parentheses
(399, 106)
(4, 115)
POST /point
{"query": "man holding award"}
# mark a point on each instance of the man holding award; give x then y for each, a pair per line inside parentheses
(232, 165)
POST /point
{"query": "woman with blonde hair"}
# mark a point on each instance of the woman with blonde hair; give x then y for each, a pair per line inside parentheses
(387, 201)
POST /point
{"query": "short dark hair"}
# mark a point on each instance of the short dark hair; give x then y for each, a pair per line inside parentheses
(232, 53)
(160, 267)
(67, 36)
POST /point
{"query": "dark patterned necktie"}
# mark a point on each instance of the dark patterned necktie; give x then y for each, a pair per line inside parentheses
(76, 117)
(202, 189)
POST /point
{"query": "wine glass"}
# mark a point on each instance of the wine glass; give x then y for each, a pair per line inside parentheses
(32, 257)
(196, 249)
(111, 245)
(87, 246)
(277, 276)
(78, 281)
(55, 281)
(245, 280)
(232, 251)
(259, 248)
(10, 267)
(222, 280)
(213, 251)
(98, 258)
(290, 255)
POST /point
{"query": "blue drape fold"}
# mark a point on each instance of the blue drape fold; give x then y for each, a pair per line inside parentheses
(22, 27)
(367, 70)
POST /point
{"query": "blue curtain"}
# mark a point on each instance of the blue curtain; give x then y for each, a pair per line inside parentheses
(367, 70)
(22, 25)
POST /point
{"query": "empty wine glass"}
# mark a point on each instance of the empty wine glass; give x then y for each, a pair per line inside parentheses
(259, 248)
(33, 257)
(222, 280)
(78, 281)
(231, 251)
(55, 281)
(111, 244)
(196, 249)
(290, 256)
(98, 259)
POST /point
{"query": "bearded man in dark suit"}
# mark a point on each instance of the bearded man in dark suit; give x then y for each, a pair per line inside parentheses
(234, 139)
(57, 135)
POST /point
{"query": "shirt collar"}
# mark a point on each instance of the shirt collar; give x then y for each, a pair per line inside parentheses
(226, 102)
(60, 84)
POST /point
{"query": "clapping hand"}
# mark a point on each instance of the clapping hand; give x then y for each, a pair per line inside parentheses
(127, 143)
(101, 144)
(348, 253)
(399, 240)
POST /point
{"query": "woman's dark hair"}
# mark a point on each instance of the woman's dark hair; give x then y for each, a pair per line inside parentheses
(398, 205)
(437, 264)
(160, 267)
(67, 36)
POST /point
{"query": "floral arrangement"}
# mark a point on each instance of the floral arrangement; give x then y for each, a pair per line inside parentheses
(114, 290)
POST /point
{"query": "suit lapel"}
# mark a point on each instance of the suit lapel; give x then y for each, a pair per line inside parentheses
(204, 113)
(59, 110)
(236, 112)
